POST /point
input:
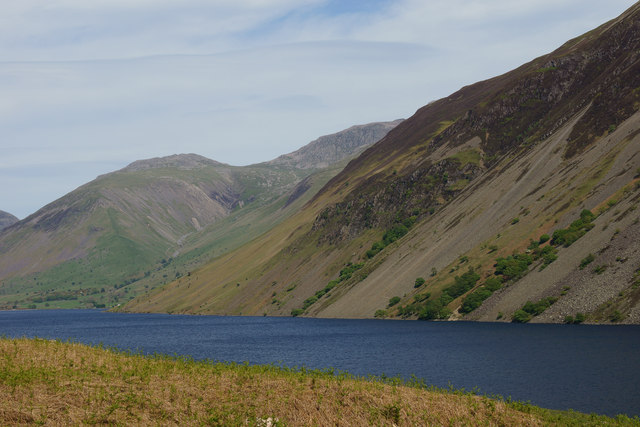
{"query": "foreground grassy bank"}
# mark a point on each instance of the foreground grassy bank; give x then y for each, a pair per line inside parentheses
(50, 382)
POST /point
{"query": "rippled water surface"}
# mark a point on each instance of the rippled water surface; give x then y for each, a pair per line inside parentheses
(586, 368)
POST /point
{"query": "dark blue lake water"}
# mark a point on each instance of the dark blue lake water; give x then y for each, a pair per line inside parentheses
(586, 368)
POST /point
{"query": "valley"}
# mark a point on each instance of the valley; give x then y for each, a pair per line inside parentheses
(512, 199)
(156, 219)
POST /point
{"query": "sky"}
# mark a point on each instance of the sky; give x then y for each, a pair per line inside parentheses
(89, 86)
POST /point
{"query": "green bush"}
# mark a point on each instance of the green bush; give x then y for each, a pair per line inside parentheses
(580, 317)
(347, 272)
(548, 254)
(493, 283)
(393, 234)
(377, 247)
(309, 302)
(513, 266)
(396, 232)
(567, 236)
(421, 297)
(600, 269)
(537, 308)
(475, 300)
(462, 284)
(616, 316)
(297, 312)
(586, 261)
(477, 297)
(393, 301)
(419, 282)
(408, 310)
(521, 316)
(531, 309)
(434, 310)
(544, 238)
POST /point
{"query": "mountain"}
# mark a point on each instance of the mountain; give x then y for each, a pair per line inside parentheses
(332, 148)
(153, 220)
(512, 199)
(6, 219)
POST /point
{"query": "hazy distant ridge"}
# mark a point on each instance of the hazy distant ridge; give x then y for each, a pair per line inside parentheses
(6, 219)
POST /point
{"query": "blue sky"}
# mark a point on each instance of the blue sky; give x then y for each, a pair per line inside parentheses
(90, 86)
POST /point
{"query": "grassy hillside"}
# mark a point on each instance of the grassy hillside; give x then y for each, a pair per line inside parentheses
(50, 382)
(444, 217)
(157, 219)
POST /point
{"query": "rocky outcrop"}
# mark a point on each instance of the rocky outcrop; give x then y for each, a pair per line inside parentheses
(333, 148)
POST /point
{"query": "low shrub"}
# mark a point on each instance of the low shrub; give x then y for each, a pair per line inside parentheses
(521, 316)
(462, 284)
(580, 317)
(393, 301)
(532, 309)
(475, 300)
(477, 297)
(586, 261)
(599, 269)
(513, 266)
(567, 236)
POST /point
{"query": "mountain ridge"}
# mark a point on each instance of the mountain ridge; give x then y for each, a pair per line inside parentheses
(127, 226)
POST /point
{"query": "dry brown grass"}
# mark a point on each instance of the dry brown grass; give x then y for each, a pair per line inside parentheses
(55, 383)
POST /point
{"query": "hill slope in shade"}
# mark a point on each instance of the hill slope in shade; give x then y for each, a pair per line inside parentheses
(6, 219)
(150, 222)
(461, 193)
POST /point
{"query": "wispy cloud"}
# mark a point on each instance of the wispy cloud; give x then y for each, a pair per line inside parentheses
(88, 86)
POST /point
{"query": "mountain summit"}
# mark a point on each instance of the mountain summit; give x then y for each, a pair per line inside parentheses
(332, 148)
(6, 219)
(178, 161)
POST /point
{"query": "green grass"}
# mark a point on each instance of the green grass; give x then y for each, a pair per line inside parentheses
(472, 156)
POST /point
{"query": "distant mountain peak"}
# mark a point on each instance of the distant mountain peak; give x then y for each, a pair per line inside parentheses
(333, 148)
(180, 161)
(6, 219)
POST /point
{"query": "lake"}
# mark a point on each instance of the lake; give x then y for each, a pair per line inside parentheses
(583, 367)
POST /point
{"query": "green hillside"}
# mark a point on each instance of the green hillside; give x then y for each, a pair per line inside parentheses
(151, 222)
